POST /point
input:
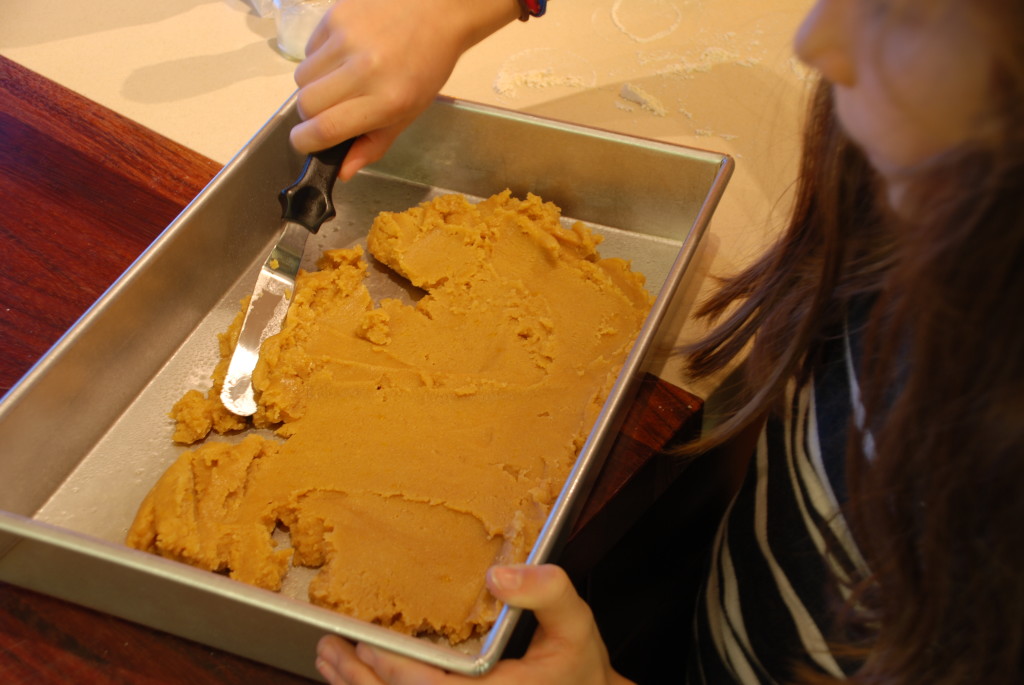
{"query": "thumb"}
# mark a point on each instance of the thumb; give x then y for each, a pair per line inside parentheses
(548, 592)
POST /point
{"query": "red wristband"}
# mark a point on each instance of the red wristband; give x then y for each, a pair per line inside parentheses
(532, 8)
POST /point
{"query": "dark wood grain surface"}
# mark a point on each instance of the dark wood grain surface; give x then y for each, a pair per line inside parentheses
(83, 191)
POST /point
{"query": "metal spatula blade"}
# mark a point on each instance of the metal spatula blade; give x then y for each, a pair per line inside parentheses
(306, 205)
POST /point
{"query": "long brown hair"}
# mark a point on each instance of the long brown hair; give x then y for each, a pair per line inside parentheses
(938, 509)
(779, 308)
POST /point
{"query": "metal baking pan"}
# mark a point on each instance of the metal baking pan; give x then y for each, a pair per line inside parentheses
(85, 433)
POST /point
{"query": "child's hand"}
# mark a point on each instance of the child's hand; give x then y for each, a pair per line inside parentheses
(566, 647)
(372, 66)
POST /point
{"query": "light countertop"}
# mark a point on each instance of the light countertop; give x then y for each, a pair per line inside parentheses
(713, 74)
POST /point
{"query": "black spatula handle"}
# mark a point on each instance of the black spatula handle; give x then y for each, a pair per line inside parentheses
(309, 200)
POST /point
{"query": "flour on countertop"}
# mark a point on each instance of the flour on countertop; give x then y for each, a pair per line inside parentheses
(710, 58)
(634, 93)
(533, 69)
(679, 49)
(645, 21)
(509, 84)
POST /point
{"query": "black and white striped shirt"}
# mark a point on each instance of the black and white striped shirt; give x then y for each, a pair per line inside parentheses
(771, 593)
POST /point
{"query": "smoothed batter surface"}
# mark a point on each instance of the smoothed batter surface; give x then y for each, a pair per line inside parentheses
(420, 443)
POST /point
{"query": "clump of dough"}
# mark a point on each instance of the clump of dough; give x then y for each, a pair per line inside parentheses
(421, 443)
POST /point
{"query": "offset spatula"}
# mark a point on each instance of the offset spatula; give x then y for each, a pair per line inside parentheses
(306, 205)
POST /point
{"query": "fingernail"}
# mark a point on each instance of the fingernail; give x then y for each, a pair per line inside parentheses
(327, 653)
(326, 669)
(505, 577)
